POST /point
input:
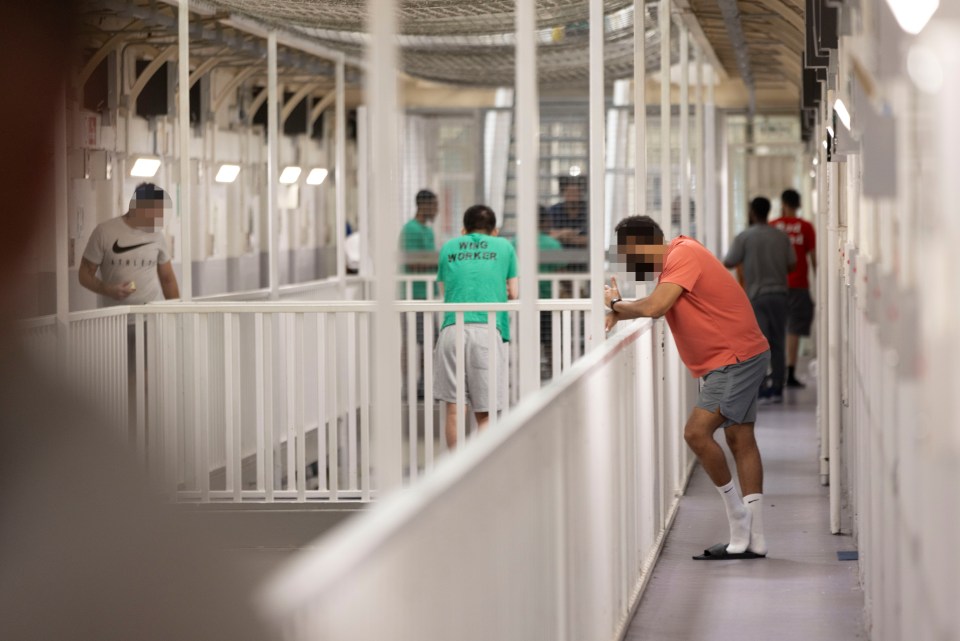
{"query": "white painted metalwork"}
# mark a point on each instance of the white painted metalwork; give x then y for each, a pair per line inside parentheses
(565, 557)
(665, 120)
(639, 110)
(598, 172)
(273, 161)
(340, 169)
(684, 130)
(699, 213)
(527, 114)
(183, 122)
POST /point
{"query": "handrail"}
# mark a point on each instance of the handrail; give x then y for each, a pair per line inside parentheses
(320, 569)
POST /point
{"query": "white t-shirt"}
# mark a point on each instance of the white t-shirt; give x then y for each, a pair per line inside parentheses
(125, 254)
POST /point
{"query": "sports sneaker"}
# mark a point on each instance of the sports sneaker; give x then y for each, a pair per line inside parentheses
(796, 384)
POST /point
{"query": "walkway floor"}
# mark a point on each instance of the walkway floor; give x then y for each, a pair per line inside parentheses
(800, 592)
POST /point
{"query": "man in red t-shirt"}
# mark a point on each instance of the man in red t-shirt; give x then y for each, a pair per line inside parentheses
(717, 335)
(799, 303)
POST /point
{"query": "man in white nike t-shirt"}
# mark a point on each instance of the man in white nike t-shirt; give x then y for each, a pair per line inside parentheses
(130, 252)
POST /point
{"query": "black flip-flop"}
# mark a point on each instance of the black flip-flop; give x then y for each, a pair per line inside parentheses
(719, 552)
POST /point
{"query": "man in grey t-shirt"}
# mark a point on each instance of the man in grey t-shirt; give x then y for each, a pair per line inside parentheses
(131, 254)
(767, 256)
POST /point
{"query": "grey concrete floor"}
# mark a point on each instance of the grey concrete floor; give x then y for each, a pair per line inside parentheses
(799, 592)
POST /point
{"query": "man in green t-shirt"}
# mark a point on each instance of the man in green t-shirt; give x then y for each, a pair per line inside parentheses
(417, 236)
(545, 242)
(477, 267)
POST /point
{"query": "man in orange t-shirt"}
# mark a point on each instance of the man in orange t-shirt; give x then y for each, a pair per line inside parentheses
(718, 338)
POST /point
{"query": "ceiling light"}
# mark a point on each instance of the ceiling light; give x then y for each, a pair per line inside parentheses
(825, 145)
(316, 176)
(290, 175)
(841, 110)
(227, 173)
(145, 167)
(913, 15)
(830, 130)
(816, 161)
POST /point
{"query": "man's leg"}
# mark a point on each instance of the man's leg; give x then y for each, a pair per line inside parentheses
(776, 310)
(450, 425)
(483, 419)
(793, 348)
(699, 436)
(743, 446)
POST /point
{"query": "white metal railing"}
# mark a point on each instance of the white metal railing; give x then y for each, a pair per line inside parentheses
(255, 401)
(562, 284)
(332, 288)
(544, 528)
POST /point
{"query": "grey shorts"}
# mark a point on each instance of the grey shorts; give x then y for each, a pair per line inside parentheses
(799, 312)
(476, 351)
(733, 389)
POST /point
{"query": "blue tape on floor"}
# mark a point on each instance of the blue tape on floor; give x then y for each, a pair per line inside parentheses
(848, 555)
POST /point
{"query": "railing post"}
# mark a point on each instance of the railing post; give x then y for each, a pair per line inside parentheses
(528, 170)
(598, 163)
(183, 121)
(665, 119)
(273, 159)
(639, 110)
(340, 166)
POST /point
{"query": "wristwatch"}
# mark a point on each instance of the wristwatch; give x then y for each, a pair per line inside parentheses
(613, 303)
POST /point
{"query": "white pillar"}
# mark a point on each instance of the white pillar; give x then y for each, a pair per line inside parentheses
(598, 164)
(384, 124)
(684, 131)
(60, 187)
(363, 191)
(340, 164)
(183, 120)
(699, 200)
(665, 187)
(710, 187)
(273, 158)
(639, 110)
(528, 181)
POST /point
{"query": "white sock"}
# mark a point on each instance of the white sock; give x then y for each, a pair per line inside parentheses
(738, 516)
(754, 504)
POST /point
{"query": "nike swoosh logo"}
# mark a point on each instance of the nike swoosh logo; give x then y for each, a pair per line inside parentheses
(117, 249)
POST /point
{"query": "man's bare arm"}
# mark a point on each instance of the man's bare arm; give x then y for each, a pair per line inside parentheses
(653, 306)
(88, 279)
(168, 280)
(513, 288)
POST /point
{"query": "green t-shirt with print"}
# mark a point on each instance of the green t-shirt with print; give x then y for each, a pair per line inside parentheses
(474, 269)
(417, 237)
(548, 243)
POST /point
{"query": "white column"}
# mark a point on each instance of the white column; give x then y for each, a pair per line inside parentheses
(273, 158)
(363, 190)
(639, 110)
(60, 187)
(528, 182)
(699, 200)
(340, 164)
(710, 200)
(384, 125)
(595, 332)
(684, 131)
(183, 120)
(665, 187)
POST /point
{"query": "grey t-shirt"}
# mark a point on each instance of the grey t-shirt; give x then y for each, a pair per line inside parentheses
(767, 257)
(125, 254)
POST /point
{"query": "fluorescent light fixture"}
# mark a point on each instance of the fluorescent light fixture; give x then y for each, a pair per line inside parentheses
(145, 167)
(813, 174)
(913, 15)
(290, 175)
(227, 173)
(842, 113)
(825, 145)
(316, 176)
(575, 170)
(830, 130)
(816, 161)
(924, 68)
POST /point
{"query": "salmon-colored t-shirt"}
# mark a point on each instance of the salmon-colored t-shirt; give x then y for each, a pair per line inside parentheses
(712, 322)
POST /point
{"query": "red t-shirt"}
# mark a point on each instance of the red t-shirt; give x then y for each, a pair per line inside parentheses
(712, 322)
(803, 238)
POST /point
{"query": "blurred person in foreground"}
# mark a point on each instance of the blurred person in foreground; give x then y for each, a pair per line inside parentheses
(718, 339)
(477, 267)
(86, 551)
(766, 256)
(800, 306)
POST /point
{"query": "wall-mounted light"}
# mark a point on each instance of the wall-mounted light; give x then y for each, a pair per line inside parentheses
(841, 110)
(290, 175)
(227, 173)
(316, 176)
(825, 146)
(145, 167)
(575, 170)
(816, 161)
(830, 130)
(913, 15)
